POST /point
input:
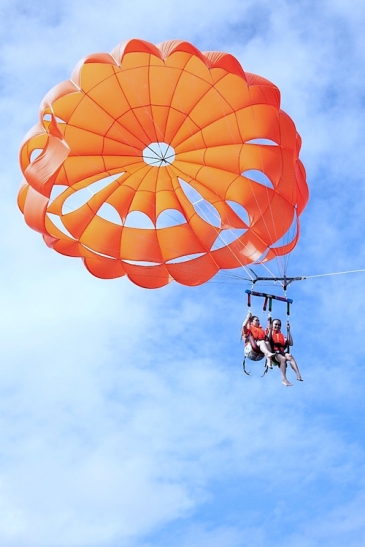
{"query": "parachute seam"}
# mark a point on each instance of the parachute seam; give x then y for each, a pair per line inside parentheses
(148, 110)
(223, 116)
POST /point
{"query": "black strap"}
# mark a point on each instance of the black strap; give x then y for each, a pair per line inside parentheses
(244, 367)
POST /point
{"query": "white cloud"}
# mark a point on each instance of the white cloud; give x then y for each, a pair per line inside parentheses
(125, 417)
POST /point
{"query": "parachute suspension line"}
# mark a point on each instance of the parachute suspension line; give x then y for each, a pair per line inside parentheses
(301, 278)
(141, 237)
(237, 257)
(204, 215)
(252, 183)
(258, 204)
(109, 250)
(201, 211)
(119, 130)
(196, 206)
(273, 277)
(282, 261)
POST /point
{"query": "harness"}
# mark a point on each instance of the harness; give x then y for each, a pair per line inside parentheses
(278, 343)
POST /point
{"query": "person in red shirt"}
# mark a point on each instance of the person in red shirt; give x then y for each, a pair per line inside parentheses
(251, 327)
(280, 345)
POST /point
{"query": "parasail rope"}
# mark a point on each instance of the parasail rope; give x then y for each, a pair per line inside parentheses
(333, 273)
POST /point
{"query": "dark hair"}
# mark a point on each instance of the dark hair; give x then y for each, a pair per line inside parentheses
(277, 320)
(254, 317)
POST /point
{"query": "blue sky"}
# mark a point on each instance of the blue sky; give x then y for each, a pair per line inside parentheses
(125, 417)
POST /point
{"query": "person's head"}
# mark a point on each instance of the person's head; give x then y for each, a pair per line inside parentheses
(276, 325)
(255, 321)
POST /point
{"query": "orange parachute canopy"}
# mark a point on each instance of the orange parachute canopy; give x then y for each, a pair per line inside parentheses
(161, 163)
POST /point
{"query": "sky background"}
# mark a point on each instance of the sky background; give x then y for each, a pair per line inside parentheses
(125, 416)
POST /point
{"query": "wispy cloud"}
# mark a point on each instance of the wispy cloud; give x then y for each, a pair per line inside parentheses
(125, 416)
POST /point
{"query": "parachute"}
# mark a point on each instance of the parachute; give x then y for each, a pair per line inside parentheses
(163, 163)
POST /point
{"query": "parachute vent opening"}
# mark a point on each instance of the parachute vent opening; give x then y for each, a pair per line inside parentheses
(240, 211)
(251, 252)
(203, 208)
(136, 219)
(35, 154)
(57, 190)
(57, 221)
(159, 154)
(170, 218)
(144, 263)
(109, 213)
(261, 258)
(82, 196)
(265, 142)
(111, 145)
(226, 237)
(97, 252)
(185, 258)
(48, 118)
(258, 176)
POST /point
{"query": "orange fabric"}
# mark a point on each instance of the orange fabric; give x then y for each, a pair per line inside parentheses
(278, 340)
(151, 117)
(257, 332)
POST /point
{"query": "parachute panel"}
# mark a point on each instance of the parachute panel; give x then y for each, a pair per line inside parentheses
(183, 133)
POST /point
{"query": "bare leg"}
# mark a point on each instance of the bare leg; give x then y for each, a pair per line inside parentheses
(282, 362)
(294, 366)
(266, 350)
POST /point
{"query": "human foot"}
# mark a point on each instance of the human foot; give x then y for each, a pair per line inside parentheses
(286, 383)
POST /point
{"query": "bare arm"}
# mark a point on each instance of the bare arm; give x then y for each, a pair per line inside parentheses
(246, 324)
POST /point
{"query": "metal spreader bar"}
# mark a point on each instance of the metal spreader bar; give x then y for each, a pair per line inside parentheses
(268, 298)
